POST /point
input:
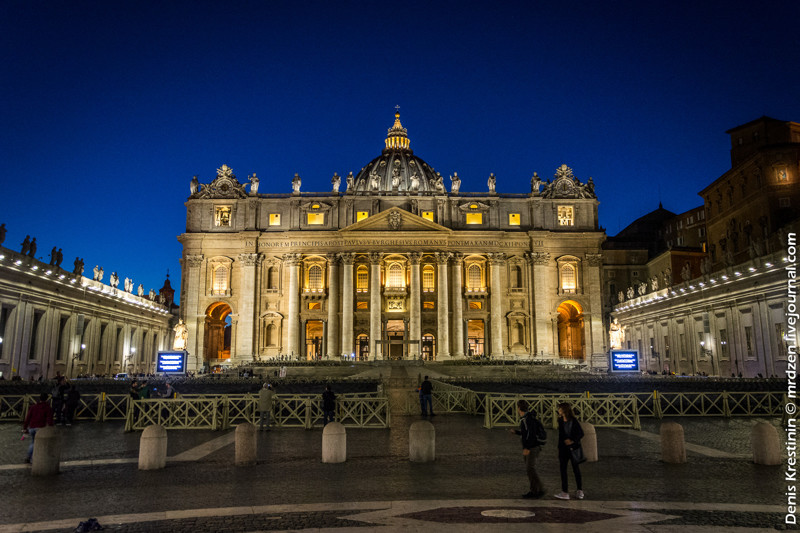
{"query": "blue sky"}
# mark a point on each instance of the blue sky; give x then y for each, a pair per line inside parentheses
(109, 108)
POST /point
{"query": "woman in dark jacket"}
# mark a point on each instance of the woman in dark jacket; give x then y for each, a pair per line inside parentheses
(570, 434)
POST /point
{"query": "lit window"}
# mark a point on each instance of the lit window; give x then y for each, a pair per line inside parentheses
(274, 219)
(361, 215)
(474, 218)
(362, 279)
(474, 277)
(513, 219)
(568, 278)
(428, 305)
(316, 219)
(314, 305)
(475, 305)
(220, 280)
(427, 278)
(566, 215)
(395, 277)
(315, 278)
(362, 305)
(222, 216)
(782, 174)
(428, 215)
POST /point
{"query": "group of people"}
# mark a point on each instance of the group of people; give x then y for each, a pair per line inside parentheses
(65, 399)
(266, 397)
(534, 437)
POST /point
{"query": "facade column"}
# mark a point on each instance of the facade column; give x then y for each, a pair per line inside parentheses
(333, 305)
(292, 261)
(247, 288)
(593, 287)
(544, 340)
(375, 305)
(347, 303)
(496, 262)
(443, 315)
(414, 312)
(194, 318)
(458, 307)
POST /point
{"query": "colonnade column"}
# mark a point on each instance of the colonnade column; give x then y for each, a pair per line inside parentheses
(415, 326)
(333, 305)
(496, 262)
(375, 305)
(292, 262)
(244, 339)
(347, 303)
(443, 315)
(458, 307)
(195, 319)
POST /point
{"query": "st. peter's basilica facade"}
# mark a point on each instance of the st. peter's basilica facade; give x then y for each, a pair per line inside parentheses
(393, 266)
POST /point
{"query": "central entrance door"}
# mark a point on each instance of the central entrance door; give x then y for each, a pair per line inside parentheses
(395, 334)
(475, 338)
(314, 333)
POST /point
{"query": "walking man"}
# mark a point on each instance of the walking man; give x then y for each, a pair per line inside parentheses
(426, 396)
(328, 405)
(39, 416)
(533, 438)
(265, 396)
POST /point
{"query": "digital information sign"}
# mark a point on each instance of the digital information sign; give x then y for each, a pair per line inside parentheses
(624, 361)
(171, 362)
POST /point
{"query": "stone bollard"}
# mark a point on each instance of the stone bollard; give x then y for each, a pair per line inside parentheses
(153, 448)
(246, 444)
(46, 452)
(765, 442)
(334, 443)
(422, 442)
(589, 442)
(673, 447)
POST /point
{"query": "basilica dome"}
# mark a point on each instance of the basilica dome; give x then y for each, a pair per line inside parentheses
(397, 169)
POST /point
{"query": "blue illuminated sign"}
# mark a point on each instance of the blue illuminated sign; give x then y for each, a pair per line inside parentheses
(171, 362)
(624, 361)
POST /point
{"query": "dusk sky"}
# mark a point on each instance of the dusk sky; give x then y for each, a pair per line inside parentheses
(110, 108)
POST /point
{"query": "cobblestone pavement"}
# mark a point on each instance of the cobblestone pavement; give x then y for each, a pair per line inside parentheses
(472, 486)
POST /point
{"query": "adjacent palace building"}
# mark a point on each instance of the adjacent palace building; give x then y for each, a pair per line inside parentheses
(393, 266)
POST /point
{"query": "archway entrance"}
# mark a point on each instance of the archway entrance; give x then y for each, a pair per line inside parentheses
(217, 334)
(428, 347)
(475, 338)
(314, 333)
(570, 330)
(362, 345)
(395, 331)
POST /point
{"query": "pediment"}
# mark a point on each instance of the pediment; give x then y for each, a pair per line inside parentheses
(396, 219)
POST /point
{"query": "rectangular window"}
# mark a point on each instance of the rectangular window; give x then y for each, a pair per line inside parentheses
(33, 345)
(566, 215)
(428, 215)
(314, 305)
(222, 216)
(316, 219)
(274, 219)
(475, 305)
(428, 305)
(427, 279)
(362, 279)
(474, 218)
(723, 344)
(748, 340)
(361, 215)
(62, 333)
(362, 305)
(513, 219)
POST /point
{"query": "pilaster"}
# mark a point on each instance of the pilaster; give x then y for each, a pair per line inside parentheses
(458, 306)
(443, 315)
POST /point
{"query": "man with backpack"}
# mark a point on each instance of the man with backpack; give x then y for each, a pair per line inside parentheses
(534, 437)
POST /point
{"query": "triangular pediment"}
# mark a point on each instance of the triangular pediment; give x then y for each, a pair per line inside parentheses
(396, 219)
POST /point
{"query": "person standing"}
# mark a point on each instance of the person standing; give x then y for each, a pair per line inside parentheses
(426, 397)
(39, 416)
(531, 430)
(328, 405)
(71, 402)
(265, 397)
(570, 434)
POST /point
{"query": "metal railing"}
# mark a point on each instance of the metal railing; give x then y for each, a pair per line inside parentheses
(613, 411)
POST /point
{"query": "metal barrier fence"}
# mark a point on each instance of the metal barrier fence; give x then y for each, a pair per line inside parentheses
(611, 411)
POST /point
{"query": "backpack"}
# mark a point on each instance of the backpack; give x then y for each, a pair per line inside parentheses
(536, 428)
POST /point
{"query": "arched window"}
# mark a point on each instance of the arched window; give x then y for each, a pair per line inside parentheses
(395, 276)
(474, 277)
(315, 278)
(272, 278)
(362, 279)
(516, 277)
(568, 283)
(427, 278)
(220, 280)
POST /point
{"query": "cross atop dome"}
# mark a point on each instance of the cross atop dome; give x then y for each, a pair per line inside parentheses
(397, 138)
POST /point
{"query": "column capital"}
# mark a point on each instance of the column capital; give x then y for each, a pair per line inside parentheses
(195, 260)
(249, 259)
(594, 259)
(347, 257)
(458, 257)
(498, 258)
(333, 258)
(291, 259)
(414, 258)
(375, 257)
(538, 258)
(442, 257)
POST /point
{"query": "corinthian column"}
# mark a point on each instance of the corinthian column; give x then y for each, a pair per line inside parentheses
(246, 322)
(443, 316)
(333, 305)
(192, 314)
(458, 307)
(292, 262)
(347, 303)
(415, 326)
(375, 304)
(496, 262)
